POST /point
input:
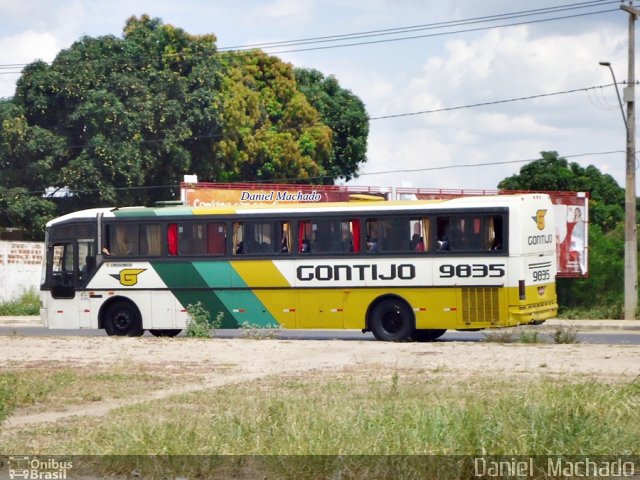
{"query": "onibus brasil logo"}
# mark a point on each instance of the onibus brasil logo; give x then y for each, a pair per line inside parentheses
(128, 277)
(38, 468)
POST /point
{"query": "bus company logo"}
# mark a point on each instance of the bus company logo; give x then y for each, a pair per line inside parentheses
(37, 468)
(129, 276)
(307, 273)
(539, 219)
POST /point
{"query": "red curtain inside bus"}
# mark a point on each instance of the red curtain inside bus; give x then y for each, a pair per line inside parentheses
(216, 238)
(355, 232)
(172, 239)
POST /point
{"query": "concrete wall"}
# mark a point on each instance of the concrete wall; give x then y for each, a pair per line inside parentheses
(20, 268)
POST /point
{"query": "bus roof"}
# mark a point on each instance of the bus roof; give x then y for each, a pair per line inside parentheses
(320, 207)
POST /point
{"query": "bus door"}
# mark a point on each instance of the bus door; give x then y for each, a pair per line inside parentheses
(70, 265)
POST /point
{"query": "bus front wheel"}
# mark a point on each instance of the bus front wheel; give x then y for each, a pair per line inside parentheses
(123, 320)
(392, 321)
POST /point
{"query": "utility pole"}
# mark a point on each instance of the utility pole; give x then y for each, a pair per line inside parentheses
(630, 228)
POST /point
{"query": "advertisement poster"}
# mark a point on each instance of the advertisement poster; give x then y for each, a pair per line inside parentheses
(208, 195)
(572, 215)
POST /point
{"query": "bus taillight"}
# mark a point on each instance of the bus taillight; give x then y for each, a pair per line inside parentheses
(521, 290)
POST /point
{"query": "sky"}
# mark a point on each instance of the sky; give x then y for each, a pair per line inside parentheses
(402, 81)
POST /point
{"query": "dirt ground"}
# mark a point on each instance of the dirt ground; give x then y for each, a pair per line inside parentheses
(196, 364)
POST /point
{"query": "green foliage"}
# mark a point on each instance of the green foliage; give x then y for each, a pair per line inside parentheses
(200, 324)
(7, 386)
(345, 114)
(20, 209)
(530, 336)
(270, 130)
(19, 389)
(605, 284)
(602, 291)
(511, 335)
(27, 304)
(260, 332)
(360, 418)
(499, 335)
(564, 335)
(597, 312)
(118, 120)
(554, 173)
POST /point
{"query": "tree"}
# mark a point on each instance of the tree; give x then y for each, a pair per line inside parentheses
(604, 287)
(118, 121)
(345, 114)
(554, 173)
(20, 209)
(270, 131)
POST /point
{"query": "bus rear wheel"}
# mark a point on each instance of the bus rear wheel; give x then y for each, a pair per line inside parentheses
(165, 332)
(427, 335)
(392, 321)
(123, 320)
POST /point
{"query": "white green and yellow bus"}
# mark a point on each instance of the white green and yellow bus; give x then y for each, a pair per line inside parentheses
(401, 270)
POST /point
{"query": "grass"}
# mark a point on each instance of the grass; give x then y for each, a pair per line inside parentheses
(46, 389)
(260, 332)
(560, 335)
(350, 413)
(200, 324)
(27, 304)
(613, 311)
(565, 335)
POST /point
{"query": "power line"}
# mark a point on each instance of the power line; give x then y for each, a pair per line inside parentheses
(407, 29)
(439, 34)
(485, 164)
(494, 102)
(382, 117)
(429, 26)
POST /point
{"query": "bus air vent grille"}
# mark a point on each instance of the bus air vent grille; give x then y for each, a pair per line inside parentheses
(480, 305)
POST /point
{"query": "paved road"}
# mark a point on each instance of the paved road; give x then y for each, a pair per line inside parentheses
(607, 337)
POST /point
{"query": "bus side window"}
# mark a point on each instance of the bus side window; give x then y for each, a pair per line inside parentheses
(304, 236)
(192, 239)
(443, 233)
(372, 230)
(239, 247)
(285, 236)
(494, 233)
(217, 238)
(151, 240)
(419, 227)
(261, 236)
(124, 240)
(345, 236)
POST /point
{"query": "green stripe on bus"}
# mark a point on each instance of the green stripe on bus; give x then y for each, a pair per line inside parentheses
(132, 213)
(193, 282)
(245, 306)
(186, 283)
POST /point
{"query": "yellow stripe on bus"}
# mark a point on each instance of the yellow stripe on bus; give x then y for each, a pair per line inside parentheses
(260, 273)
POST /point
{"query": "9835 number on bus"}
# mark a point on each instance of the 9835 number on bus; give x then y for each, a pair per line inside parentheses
(473, 270)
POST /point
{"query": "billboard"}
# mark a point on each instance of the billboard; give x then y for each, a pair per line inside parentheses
(214, 194)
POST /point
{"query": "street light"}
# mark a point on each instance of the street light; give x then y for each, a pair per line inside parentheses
(615, 84)
(630, 229)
